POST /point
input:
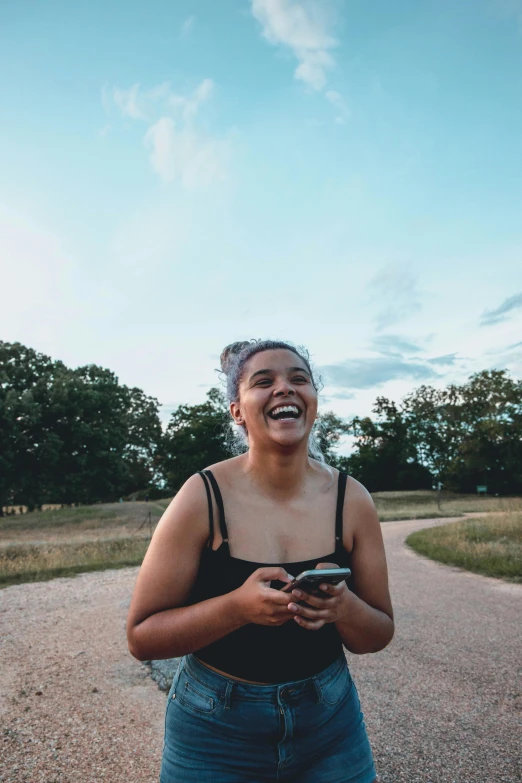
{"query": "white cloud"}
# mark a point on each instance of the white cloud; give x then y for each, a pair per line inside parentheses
(185, 155)
(201, 94)
(127, 101)
(303, 28)
(142, 104)
(188, 25)
(178, 150)
(337, 100)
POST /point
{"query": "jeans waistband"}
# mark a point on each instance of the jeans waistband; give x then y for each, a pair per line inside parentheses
(224, 686)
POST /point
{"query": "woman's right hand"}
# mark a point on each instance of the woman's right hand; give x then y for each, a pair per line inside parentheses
(258, 603)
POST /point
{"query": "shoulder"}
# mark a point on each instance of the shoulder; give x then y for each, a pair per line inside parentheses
(226, 467)
(359, 509)
(187, 511)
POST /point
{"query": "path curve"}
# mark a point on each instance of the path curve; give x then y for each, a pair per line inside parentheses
(442, 702)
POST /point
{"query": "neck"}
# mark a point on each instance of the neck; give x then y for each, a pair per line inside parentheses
(278, 472)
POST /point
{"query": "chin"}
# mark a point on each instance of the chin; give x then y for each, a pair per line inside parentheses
(290, 439)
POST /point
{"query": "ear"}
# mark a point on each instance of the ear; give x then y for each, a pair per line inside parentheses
(235, 412)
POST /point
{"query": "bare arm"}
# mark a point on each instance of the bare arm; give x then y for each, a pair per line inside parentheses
(364, 617)
(159, 624)
(367, 625)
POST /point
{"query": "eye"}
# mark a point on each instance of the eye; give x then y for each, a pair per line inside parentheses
(300, 378)
(263, 382)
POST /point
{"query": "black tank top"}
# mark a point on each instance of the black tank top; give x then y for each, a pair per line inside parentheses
(258, 652)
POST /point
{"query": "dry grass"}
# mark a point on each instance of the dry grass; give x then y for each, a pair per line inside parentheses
(425, 504)
(491, 546)
(38, 562)
(61, 542)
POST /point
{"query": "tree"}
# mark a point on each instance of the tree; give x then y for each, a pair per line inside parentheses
(470, 434)
(329, 430)
(385, 457)
(71, 435)
(196, 436)
(25, 377)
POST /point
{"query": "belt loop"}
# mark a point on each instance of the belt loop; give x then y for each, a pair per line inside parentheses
(228, 693)
(317, 688)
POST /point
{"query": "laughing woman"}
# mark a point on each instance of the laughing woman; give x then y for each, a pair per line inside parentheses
(263, 692)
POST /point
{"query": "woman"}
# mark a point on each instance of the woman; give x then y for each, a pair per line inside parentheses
(263, 692)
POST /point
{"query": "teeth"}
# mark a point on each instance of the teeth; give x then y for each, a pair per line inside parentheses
(285, 409)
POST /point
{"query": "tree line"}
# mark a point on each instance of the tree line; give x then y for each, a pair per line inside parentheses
(79, 436)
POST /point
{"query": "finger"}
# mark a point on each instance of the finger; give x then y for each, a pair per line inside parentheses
(309, 612)
(309, 625)
(318, 601)
(272, 573)
(330, 590)
(327, 565)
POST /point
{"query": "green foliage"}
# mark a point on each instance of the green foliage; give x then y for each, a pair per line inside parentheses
(329, 430)
(195, 438)
(461, 436)
(71, 435)
(385, 456)
(470, 434)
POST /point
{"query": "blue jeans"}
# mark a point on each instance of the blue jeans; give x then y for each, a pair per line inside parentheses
(220, 730)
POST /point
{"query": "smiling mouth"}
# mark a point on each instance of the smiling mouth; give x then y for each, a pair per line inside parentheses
(285, 413)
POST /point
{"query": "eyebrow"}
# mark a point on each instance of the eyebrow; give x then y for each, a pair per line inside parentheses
(290, 369)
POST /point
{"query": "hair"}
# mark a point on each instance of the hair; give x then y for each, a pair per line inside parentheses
(233, 360)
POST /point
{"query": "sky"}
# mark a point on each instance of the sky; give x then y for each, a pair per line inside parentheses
(343, 174)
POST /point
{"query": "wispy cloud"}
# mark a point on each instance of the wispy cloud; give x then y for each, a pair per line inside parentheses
(367, 372)
(501, 313)
(178, 149)
(448, 360)
(342, 395)
(395, 290)
(394, 344)
(185, 155)
(304, 27)
(127, 102)
(188, 25)
(337, 100)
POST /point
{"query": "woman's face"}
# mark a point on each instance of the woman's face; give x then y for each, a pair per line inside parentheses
(277, 399)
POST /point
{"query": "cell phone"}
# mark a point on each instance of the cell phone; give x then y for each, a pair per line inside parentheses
(309, 581)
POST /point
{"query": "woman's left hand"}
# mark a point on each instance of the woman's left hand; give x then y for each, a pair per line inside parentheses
(333, 607)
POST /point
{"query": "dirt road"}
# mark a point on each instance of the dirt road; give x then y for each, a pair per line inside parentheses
(442, 703)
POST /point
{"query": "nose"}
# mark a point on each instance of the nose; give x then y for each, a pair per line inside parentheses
(284, 388)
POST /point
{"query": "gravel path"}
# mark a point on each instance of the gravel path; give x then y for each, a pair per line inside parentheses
(442, 704)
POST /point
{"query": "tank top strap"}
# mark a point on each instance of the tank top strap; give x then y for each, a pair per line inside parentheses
(341, 490)
(219, 502)
(210, 509)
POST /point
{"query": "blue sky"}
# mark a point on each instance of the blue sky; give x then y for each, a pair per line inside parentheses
(345, 175)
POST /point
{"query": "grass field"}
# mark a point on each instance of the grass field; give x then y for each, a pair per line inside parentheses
(424, 504)
(61, 542)
(491, 546)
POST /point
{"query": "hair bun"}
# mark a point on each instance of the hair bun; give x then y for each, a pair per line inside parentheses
(228, 353)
